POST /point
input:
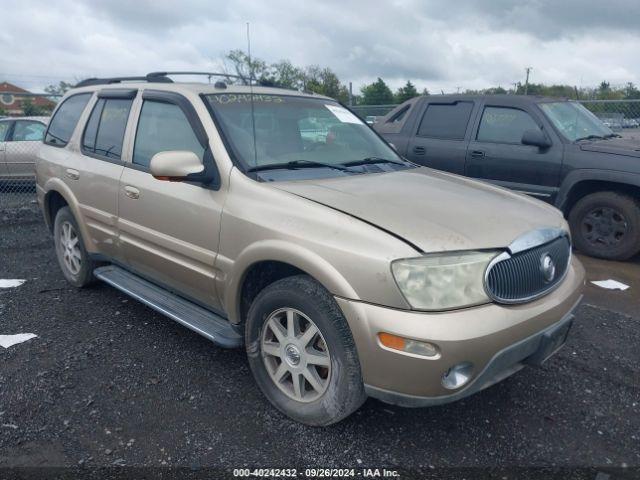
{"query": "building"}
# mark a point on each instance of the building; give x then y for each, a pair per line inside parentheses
(13, 98)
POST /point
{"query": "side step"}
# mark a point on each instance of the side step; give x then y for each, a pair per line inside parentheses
(192, 316)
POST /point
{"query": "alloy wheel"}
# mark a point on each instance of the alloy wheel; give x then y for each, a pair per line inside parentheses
(70, 248)
(296, 355)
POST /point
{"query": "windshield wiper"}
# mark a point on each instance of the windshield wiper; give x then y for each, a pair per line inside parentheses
(294, 164)
(372, 161)
(612, 135)
(590, 137)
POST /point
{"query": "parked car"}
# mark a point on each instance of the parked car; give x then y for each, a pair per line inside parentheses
(554, 150)
(345, 270)
(371, 119)
(20, 139)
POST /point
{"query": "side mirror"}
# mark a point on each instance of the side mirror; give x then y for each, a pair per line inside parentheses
(176, 166)
(536, 138)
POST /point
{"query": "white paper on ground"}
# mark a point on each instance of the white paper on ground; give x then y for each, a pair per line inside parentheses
(611, 284)
(7, 341)
(10, 282)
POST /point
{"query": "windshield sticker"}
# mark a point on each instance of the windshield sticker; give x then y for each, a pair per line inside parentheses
(342, 114)
(227, 98)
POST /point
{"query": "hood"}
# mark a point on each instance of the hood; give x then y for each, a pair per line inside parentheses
(618, 146)
(434, 211)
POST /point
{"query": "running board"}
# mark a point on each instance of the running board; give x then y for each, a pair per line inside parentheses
(192, 316)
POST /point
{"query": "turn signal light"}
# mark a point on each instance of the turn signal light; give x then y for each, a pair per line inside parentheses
(415, 347)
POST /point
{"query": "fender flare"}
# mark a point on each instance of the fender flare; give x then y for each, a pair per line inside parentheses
(581, 175)
(292, 254)
(57, 185)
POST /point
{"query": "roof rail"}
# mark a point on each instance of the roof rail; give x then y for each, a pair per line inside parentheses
(207, 74)
(107, 81)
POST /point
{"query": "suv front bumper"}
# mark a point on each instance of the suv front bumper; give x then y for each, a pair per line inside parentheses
(497, 339)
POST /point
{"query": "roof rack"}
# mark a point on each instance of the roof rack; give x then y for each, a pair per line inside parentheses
(159, 77)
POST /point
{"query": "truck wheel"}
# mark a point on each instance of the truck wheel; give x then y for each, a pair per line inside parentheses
(606, 225)
(302, 354)
(74, 261)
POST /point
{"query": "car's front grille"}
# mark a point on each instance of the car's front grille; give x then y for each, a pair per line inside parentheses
(521, 277)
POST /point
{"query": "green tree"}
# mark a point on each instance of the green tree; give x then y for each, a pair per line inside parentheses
(405, 93)
(287, 75)
(29, 109)
(59, 89)
(631, 92)
(237, 62)
(325, 82)
(377, 93)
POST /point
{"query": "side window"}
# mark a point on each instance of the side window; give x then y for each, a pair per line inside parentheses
(26, 131)
(399, 116)
(65, 119)
(105, 129)
(448, 121)
(504, 125)
(161, 127)
(4, 129)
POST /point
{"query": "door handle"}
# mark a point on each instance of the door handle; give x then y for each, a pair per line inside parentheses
(132, 192)
(477, 154)
(419, 150)
(72, 174)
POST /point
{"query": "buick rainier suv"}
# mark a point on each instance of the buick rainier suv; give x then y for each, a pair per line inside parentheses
(278, 221)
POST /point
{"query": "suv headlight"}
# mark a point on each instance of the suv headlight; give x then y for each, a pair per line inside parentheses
(444, 280)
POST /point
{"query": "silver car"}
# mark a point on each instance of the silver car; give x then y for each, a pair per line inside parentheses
(20, 139)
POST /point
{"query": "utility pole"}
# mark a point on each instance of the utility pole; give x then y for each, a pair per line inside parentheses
(526, 82)
(350, 94)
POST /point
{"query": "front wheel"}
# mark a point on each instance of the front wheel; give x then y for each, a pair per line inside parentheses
(606, 225)
(302, 354)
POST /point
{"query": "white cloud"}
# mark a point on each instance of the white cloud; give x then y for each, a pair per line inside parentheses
(436, 44)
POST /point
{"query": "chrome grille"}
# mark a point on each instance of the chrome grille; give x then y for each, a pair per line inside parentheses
(519, 277)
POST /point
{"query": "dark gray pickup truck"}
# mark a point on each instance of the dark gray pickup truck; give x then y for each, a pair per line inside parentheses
(555, 150)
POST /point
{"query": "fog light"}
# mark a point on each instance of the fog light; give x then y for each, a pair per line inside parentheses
(457, 376)
(415, 347)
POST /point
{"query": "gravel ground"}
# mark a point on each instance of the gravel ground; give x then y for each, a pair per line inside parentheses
(110, 382)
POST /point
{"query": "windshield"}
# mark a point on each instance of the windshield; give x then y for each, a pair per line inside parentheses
(574, 121)
(299, 133)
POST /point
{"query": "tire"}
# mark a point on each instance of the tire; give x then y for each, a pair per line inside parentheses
(606, 225)
(342, 390)
(78, 272)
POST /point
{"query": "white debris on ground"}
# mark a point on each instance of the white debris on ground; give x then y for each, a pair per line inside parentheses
(610, 284)
(10, 282)
(7, 341)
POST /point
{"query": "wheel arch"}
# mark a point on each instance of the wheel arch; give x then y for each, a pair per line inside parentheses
(583, 182)
(58, 195)
(262, 264)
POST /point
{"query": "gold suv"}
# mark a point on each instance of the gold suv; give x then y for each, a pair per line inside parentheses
(280, 221)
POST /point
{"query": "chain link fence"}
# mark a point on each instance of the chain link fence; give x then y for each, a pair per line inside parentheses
(23, 120)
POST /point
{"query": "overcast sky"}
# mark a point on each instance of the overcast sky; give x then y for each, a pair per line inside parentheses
(436, 44)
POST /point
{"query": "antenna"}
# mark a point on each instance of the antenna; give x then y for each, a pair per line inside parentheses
(253, 114)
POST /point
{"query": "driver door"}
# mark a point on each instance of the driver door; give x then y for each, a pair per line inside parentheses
(496, 153)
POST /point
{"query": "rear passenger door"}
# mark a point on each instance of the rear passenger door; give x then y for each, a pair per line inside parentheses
(93, 168)
(21, 150)
(496, 152)
(440, 139)
(169, 231)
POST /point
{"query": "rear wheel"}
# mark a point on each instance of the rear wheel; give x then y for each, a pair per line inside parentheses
(74, 261)
(606, 225)
(301, 352)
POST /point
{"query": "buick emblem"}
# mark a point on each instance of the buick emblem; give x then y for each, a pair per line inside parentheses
(547, 267)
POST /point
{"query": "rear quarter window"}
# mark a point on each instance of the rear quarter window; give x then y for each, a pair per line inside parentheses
(65, 119)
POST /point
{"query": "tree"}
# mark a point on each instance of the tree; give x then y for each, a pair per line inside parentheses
(377, 93)
(31, 110)
(325, 82)
(287, 75)
(405, 93)
(58, 90)
(236, 62)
